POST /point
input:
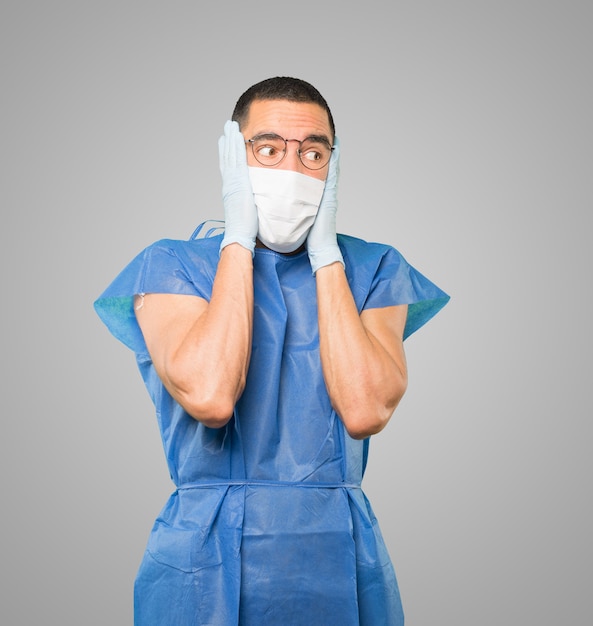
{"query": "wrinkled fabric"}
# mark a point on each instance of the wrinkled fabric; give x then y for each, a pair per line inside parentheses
(268, 523)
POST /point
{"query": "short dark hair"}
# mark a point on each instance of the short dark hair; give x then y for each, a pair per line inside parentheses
(280, 88)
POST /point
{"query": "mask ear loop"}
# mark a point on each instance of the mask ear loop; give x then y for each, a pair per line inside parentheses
(213, 230)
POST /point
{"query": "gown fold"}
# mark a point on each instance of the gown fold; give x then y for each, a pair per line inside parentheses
(268, 523)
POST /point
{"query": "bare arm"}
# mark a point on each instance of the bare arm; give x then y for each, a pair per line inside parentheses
(201, 349)
(362, 356)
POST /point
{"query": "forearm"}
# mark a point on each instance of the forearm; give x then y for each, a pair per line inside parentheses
(364, 380)
(201, 350)
(206, 370)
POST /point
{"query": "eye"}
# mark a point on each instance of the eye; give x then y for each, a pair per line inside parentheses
(267, 151)
(315, 154)
(312, 155)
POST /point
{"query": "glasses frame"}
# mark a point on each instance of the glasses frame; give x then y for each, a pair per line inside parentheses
(274, 135)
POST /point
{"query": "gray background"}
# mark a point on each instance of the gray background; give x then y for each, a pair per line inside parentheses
(466, 142)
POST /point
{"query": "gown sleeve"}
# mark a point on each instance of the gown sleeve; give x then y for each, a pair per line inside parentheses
(380, 276)
(167, 266)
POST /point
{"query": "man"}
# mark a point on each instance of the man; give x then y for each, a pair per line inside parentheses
(272, 353)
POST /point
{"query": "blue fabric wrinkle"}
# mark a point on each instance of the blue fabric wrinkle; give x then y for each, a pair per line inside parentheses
(268, 523)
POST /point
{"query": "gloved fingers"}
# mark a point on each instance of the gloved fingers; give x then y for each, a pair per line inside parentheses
(322, 242)
(336, 150)
(231, 147)
(239, 207)
(221, 153)
(334, 166)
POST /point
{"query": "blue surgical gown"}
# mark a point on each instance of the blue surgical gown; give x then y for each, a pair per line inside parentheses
(268, 524)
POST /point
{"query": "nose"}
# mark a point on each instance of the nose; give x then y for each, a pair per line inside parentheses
(291, 160)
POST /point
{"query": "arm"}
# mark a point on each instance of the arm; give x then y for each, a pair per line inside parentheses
(201, 350)
(362, 356)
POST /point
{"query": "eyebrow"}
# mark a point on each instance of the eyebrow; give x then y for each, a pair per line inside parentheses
(266, 136)
(319, 138)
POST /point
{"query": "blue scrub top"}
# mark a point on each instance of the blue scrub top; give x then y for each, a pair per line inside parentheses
(268, 524)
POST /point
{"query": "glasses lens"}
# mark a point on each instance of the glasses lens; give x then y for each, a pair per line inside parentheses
(268, 150)
(315, 154)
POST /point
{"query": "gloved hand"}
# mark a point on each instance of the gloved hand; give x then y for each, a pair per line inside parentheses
(322, 242)
(240, 213)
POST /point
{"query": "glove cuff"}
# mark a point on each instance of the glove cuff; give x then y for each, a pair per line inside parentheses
(326, 256)
(246, 242)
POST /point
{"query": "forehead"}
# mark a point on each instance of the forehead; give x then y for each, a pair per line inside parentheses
(292, 120)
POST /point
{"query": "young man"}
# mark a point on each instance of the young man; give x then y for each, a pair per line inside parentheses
(272, 352)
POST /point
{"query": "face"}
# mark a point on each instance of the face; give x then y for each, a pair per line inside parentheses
(291, 120)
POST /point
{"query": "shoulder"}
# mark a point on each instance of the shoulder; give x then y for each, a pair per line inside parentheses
(379, 276)
(365, 256)
(360, 249)
(189, 255)
(193, 247)
(169, 266)
(356, 244)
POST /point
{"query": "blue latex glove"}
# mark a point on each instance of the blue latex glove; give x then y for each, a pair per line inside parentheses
(322, 241)
(240, 213)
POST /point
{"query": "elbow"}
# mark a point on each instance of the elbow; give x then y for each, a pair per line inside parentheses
(364, 426)
(205, 400)
(214, 408)
(371, 418)
(211, 413)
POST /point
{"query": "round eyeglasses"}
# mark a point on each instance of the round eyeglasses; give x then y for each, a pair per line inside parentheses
(270, 149)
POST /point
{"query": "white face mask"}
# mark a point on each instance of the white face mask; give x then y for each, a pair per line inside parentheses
(287, 203)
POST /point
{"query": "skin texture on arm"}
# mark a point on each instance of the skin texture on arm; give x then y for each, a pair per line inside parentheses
(362, 356)
(201, 349)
